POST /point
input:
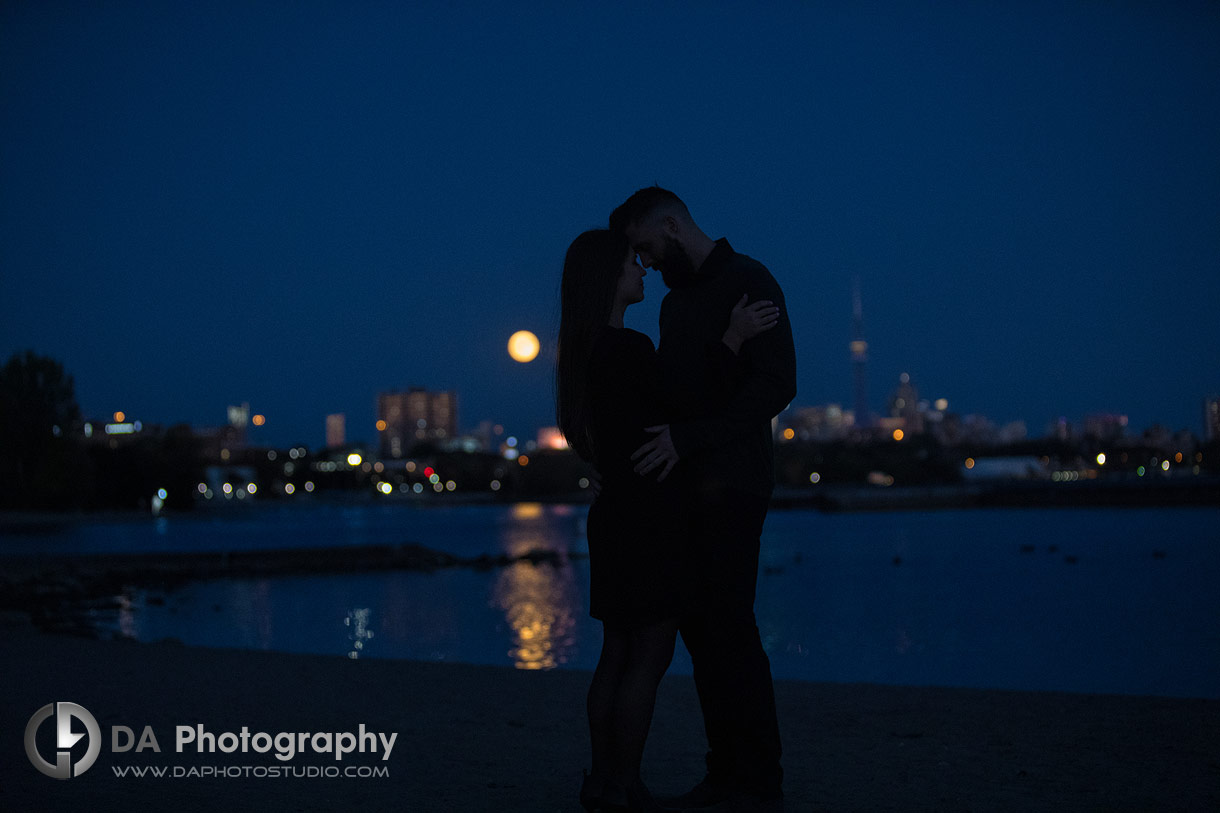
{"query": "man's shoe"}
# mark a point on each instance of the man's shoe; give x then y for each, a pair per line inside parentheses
(701, 796)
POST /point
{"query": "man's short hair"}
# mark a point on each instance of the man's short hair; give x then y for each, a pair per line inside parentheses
(642, 205)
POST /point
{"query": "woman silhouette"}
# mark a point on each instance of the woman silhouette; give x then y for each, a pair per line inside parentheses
(608, 392)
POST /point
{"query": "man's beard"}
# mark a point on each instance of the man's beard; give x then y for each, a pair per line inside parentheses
(676, 266)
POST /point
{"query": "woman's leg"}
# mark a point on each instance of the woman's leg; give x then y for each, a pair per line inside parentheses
(600, 703)
(649, 652)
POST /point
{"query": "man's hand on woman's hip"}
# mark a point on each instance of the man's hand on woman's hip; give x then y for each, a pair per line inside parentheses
(656, 453)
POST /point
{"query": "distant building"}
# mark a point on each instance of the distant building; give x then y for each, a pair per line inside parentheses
(1158, 437)
(1012, 432)
(890, 428)
(952, 429)
(549, 437)
(115, 433)
(488, 434)
(239, 420)
(820, 423)
(1060, 430)
(414, 416)
(1211, 418)
(218, 443)
(1105, 427)
(336, 430)
(934, 414)
(1185, 441)
(904, 404)
(227, 442)
(859, 358)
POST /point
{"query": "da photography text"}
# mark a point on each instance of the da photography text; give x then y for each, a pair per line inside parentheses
(76, 750)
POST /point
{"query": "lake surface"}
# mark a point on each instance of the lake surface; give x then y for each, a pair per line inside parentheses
(1088, 600)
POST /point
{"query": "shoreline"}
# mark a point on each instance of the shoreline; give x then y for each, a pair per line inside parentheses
(56, 592)
(1198, 491)
(1203, 492)
(483, 737)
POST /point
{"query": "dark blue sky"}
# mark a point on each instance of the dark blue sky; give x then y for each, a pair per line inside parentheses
(301, 204)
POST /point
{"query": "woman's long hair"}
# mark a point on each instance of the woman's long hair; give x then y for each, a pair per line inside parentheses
(591, 272)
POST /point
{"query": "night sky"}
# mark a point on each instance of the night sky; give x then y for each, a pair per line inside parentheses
(299, 205)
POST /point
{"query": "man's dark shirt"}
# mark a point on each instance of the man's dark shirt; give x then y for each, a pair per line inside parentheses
(723, 434)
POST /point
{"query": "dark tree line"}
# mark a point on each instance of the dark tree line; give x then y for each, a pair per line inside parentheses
(46, 463)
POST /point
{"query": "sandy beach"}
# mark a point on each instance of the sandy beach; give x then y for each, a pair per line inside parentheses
(474, 738)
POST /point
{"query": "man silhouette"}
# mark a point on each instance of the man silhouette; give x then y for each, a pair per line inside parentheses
(723, 438)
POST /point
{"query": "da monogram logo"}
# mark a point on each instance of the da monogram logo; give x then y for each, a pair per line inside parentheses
(64, 740)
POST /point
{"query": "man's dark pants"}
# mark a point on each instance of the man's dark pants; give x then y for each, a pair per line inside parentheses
(731, 670)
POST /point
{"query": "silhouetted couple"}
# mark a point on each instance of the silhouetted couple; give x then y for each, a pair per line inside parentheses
(681, 438)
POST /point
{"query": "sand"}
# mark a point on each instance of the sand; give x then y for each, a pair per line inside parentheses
(473, 738)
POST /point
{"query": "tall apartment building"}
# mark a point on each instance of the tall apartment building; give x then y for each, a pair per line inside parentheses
(1211, 418)
(407, 418)
(336, 430)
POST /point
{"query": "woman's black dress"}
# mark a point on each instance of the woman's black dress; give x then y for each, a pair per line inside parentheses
(637, 528)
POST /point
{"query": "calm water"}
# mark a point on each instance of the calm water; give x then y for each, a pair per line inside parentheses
(1091, 600)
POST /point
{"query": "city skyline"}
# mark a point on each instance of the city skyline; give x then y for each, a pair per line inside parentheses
(205, 207)
(436, 412)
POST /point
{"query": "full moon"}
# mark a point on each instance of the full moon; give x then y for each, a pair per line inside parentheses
(523, 346)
